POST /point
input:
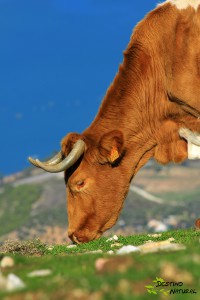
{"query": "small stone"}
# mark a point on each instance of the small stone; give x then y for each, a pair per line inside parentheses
(7, 262)
(171, 239)
(14, 283)
(113, 265)
(149, 241)
(110, 252)
(155, 235)
(99, 263)
(93, 252)
(159, 246)
(171, 272)
(114, 238)
(50, 248)
(128, 249)
(40, 273)
(71, 246)
(116, 245)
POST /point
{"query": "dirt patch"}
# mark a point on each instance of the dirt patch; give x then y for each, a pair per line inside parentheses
(28, 248)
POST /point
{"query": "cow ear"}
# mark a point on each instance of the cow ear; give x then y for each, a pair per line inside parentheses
(111, 147)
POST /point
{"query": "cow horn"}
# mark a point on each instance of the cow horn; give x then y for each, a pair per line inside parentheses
(73, 156)
(190, 136)
(53, 161)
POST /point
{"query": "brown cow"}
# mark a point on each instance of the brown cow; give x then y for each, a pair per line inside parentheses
(151, 109)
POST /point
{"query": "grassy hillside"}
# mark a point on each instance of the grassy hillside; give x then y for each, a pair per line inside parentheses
(15, 206)
(38, 209)
(79, 274)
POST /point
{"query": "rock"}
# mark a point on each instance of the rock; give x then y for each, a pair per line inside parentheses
(14, 283)
(71, 246)
(50, 248)
(158, 246)
(116, 245)
(149, 241)
(99, 263)
(171, 239)
(172, 273)
(93, 252)
(157, 226)
(110, 252)
(7, 262)
(40, 273)
(155, 235)
(115, 264)
(128, 249)
(114, 238)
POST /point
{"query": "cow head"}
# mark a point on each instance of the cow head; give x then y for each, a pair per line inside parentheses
(96, 179)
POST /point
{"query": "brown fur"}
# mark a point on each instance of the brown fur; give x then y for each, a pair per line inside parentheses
(155, 92)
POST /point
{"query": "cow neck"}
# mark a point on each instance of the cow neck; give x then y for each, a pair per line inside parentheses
(139, 147)
(129, 106)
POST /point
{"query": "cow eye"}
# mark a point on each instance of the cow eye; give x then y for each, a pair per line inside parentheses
(80, 183)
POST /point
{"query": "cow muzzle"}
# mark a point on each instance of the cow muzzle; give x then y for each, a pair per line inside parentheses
(83, 237)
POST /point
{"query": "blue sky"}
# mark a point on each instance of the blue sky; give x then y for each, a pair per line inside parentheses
(57, 59)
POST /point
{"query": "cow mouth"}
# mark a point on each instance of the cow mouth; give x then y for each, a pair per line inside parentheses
(85, 239)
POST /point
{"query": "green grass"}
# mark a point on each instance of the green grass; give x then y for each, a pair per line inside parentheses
(74, 275)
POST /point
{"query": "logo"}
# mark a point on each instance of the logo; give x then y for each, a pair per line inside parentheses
(160, 286)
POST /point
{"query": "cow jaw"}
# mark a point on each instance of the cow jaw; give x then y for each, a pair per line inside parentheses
(85, 235)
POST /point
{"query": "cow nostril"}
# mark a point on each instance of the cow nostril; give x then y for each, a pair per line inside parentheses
(73, 237)
(76, 240)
